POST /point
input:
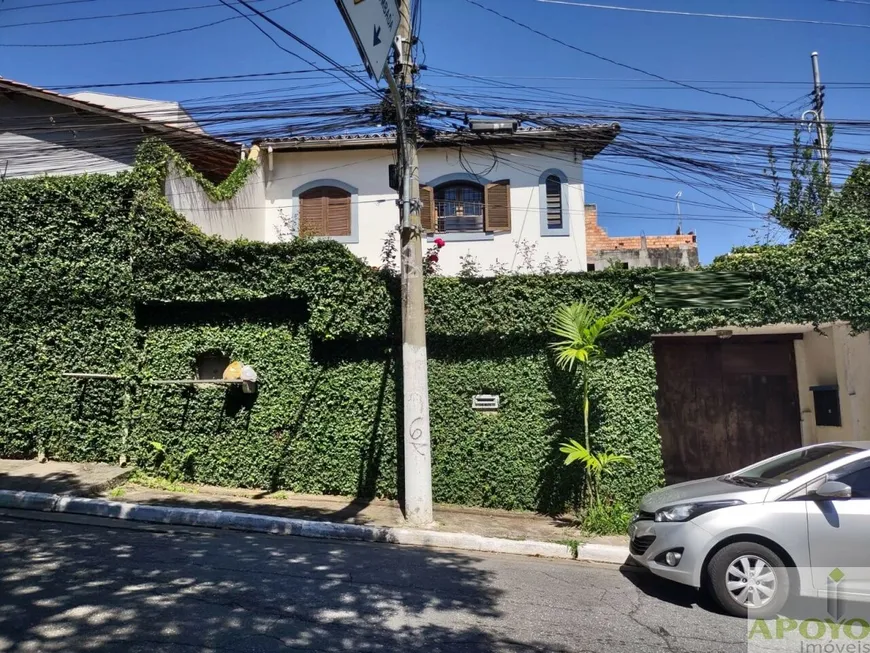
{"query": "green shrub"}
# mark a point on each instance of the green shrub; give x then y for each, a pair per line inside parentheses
(606, 518)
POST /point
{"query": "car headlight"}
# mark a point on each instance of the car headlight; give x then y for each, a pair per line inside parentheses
(688, 511)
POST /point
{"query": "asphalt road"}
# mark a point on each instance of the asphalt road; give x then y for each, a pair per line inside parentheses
(85, 585)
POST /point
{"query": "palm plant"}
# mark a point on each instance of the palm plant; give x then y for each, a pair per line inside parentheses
(597, 465)
(581, 330)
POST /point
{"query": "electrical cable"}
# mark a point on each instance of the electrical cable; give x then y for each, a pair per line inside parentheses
(613, 61)
(668, 12)
(137, 38)
(301, 42)
(74, 19)
(46, 4)
(246, 77)
(572, 78)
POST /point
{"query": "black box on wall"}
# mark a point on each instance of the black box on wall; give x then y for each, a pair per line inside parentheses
(826, 400)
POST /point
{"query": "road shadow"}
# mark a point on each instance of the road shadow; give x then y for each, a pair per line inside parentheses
(670, 592)
(73, 587)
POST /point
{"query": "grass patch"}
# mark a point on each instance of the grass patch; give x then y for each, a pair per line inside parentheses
(573, 546)
(281, 496)
(157, 483)
(117, 492)
(603, 518)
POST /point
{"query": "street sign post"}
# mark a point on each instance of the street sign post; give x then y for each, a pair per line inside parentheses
(373, 25)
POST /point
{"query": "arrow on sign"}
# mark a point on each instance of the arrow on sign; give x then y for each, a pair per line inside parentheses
(377, 39)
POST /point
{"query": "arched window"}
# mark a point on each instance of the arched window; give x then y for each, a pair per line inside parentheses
(459, 207)
(325, 211)
(554, 202)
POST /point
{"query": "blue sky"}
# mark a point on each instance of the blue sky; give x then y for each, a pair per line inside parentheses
(710, 52)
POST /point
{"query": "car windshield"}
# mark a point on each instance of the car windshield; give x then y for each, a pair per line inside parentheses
(790, 466)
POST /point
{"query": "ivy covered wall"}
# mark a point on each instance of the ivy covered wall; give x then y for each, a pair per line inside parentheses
(102, 275)
(66, 283)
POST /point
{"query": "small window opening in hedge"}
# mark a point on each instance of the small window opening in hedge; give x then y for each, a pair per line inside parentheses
(211, 365)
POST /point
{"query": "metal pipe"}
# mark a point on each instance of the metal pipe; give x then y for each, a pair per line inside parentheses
(85, 375)
(195, 382)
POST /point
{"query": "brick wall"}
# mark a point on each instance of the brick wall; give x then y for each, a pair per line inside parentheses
(597, 239)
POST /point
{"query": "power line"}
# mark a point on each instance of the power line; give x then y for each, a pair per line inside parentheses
(107, 16)
(46, 4)
(669, 12)
(651, 81)
(613, 61)
(137, 38)
(301, 42)
(246, 77)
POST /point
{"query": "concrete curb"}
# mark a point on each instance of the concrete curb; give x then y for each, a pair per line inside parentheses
(109, 484)
(303, 528)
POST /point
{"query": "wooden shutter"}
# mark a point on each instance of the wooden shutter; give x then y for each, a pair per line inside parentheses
(311, 218)
(427, 212)
(554, 202)
(325, 211)
(497, 206)
(337, 214)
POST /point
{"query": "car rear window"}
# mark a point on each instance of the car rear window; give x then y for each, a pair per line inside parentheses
(790, 466)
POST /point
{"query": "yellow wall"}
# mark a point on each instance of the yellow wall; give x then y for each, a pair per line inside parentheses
(855, 381)
(834, 357)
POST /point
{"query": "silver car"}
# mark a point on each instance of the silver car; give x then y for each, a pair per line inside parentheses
(757, 535)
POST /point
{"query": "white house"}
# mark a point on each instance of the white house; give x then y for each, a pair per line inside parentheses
(499, 201)
(47, 133)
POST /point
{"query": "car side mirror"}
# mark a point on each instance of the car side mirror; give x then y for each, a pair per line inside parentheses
(833, 490)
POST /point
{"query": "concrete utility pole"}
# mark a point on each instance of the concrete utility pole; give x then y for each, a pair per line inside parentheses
(821, 127)
(417, 442)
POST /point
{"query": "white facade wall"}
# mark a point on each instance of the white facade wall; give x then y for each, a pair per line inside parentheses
(375, 213)
(243, 216)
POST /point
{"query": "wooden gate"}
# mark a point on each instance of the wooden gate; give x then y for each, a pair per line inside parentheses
(725, 403)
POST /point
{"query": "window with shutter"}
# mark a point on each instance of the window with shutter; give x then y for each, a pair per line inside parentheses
(459, 207)
(554, 196)
(497, 216)
(325, 211)
(554, 202)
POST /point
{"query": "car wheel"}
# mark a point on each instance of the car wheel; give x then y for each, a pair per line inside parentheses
(747, 577)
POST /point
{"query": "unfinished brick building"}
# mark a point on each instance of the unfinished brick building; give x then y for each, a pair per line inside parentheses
(603, 251)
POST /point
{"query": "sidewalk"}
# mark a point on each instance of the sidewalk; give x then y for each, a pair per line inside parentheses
(78, 479)
(371, 512)
(452, 523)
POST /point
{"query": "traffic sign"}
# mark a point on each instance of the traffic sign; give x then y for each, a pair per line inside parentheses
(373, 25)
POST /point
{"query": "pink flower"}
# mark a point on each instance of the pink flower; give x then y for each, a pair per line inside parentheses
(440, 242)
